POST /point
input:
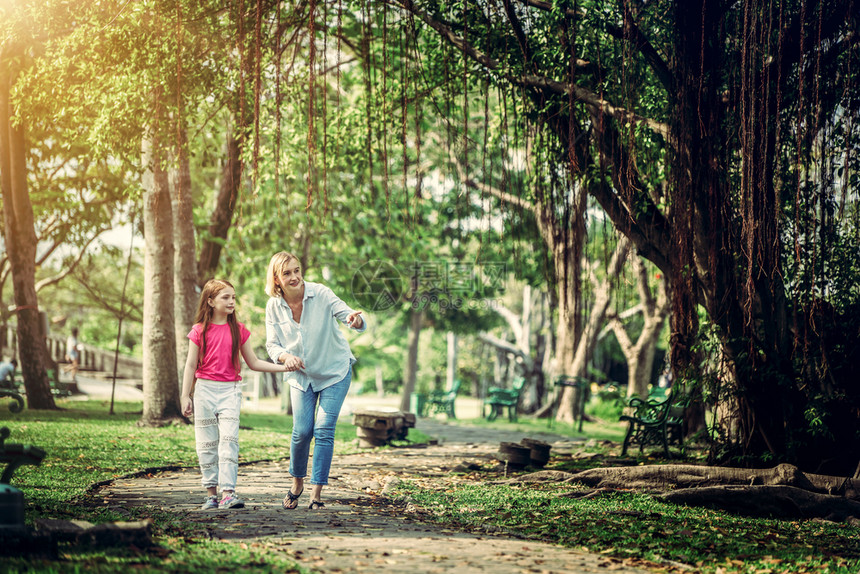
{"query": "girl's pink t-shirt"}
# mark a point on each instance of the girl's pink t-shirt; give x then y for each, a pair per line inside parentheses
(217, 364)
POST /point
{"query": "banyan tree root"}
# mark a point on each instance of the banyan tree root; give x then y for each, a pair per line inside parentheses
(787, 502)
(540, 476)
(782, 492)
(674, 476)
(587, 494)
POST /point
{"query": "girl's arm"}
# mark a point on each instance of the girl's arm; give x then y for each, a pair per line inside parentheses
(188, 378)
(257, 364)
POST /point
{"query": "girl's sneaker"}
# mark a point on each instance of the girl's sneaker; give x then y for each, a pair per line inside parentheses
(231, 501)
(210, 504)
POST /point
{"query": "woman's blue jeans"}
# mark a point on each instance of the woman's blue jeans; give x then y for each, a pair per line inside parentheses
(310, 422)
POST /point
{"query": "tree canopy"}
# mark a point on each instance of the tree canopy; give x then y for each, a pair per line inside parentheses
(720, 139)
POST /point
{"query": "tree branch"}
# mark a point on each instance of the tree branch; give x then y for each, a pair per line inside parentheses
(597, 103)
(484, 188)
(537, 81)
(518, 31)
(508, 347)
(512, 320)
(70, 268)
(629, 32)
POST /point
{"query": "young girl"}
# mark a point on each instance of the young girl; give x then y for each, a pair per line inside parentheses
(217, 339)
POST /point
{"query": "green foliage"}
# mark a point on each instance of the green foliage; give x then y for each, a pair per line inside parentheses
(91, 300)
(608, 403)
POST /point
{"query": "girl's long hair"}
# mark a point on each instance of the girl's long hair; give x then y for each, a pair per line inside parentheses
(204, 318)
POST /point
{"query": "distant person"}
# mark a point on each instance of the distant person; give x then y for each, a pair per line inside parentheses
(73, 355)
(7, 374)
(302, 332)
(212, 389)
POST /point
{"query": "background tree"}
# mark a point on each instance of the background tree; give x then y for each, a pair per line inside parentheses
(575, 65)
(19, 233)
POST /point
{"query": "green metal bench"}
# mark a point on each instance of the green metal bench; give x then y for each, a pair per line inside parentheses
(15, 455)
(499, 398)
(58, 388)
(654, 422)
(13, 530)
(443, 401)
(16, 405)
(658, 393)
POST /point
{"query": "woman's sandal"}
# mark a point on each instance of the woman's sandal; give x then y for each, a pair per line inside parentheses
(291, 500)
(316, 504)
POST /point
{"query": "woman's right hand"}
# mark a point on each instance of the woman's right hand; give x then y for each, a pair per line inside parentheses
(291, 362)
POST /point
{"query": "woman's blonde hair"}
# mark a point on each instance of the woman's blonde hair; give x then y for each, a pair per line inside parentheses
(277, 265)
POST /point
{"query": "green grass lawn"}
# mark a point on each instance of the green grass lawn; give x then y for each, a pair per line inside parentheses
(86, 445)
(629, 527)
(639, 530)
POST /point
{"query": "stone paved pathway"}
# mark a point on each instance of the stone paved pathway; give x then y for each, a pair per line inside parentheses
(361, 530)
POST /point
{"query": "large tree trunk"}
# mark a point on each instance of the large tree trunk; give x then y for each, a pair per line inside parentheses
(222, 217)
(160, 380)
(640, 355)
(20, 237)
(451, 370)
(585, 346)
(748, 305)
(185, 270)
(410, 373)
(529, 358)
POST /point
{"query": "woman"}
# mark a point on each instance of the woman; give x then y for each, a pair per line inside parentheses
(301, 333)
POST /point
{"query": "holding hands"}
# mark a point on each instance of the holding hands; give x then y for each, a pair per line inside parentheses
(291, 362)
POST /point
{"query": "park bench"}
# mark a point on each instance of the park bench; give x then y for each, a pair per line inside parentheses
(500, 398)
(15, 455)
(443, 401)
(16, 405)
(58, 389)
(657, 393)
(654, 422)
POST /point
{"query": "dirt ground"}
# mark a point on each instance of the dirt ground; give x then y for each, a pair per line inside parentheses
(361, 529)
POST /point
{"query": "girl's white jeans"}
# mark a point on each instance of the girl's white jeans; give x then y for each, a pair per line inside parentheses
(216, 431)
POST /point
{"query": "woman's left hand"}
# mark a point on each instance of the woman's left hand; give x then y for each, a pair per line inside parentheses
(354, 320)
